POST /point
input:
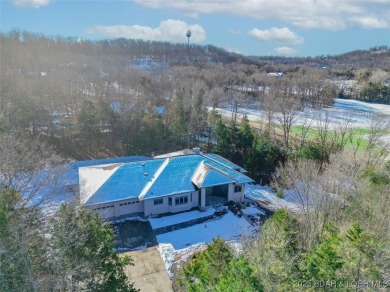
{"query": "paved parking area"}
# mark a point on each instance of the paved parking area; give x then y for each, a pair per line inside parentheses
(148, 273)
(134, 235)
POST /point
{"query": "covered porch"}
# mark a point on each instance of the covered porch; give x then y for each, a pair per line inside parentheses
(216, 195)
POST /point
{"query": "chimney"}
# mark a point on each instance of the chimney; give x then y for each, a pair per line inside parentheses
(196, 150)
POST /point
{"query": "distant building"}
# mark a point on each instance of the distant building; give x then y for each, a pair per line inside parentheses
(275, 74)
(162, 185)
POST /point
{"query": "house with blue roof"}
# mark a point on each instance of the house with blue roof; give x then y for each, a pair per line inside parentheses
(162, 185)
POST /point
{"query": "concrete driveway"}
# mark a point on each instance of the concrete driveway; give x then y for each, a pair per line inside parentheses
(148, 273)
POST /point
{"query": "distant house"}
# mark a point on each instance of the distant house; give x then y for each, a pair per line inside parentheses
(275, 74)
(162, 185)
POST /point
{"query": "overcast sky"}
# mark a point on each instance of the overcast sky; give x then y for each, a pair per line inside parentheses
(249, 27)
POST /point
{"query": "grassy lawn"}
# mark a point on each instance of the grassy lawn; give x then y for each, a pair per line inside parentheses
(358, 136)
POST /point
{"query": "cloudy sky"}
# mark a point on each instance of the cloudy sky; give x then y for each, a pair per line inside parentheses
(249, 27)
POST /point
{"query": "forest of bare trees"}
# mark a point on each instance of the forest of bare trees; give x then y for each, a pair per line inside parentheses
(80, 93)
(71, 99)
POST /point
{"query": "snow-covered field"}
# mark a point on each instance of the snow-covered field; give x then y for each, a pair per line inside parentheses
(358, 113)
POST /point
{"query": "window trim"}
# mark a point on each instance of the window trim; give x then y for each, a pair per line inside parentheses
(238, 187)
(182, 200)
(158, 201)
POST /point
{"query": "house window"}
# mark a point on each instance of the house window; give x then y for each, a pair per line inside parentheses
(181, 200)
(237, 188)
(170, 201)
(158, 201)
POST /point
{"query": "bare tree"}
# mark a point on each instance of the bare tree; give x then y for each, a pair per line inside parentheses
(28, 165)
(268, 109)
(343, 131)
(320, 191)
(379, 76)
(376, 149)
(287, 113)
(306, 125)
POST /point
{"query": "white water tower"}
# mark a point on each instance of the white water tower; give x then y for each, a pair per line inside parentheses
(188, 34)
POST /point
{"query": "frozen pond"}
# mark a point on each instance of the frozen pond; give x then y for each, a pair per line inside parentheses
(356, 113)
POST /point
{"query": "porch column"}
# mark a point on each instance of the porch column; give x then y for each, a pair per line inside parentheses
(202, 198)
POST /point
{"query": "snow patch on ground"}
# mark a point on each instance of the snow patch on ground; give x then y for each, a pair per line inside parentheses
(180, 218)
(358, 113)
(228, 227)
(267, 197)
(252, 210)
(179, 245)
(131, 218)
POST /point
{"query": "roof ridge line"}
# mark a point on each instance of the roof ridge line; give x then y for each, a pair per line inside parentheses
(220, 171)
(155, 177)
(199, 174)
(224, 165)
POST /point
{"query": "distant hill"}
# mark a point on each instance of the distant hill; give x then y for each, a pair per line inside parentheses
(155, 54)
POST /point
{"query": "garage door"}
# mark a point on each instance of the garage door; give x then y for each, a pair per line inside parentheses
(107, 211)
(129, 207)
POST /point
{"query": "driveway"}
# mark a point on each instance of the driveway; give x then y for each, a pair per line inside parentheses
(148, 273)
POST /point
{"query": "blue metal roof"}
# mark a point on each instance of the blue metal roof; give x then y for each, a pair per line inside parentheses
(165, 177)
(237, 176)
(176, 176)
(127, 182)
(214, 178)
(224, 162)
(72, 170)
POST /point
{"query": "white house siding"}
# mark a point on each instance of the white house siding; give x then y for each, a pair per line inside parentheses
(151, 209)
(236, 196)
(127, 207)
(104, 210)
(117, 209)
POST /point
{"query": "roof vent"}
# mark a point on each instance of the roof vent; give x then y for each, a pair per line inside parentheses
(196, 150)
(146, 174)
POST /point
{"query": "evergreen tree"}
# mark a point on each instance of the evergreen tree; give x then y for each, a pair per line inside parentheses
(238, 276)
(263, 158)
(247, 136)
(274, 255)
(83, 252)
(359, 249)
(218, 269)
(22, 246)
(71, 252)
(324, 261)
(222, 146)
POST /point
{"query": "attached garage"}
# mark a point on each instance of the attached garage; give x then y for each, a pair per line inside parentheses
(128, 207)
(104, 211)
